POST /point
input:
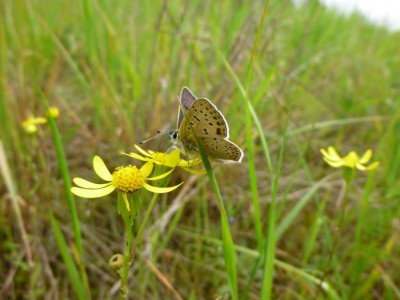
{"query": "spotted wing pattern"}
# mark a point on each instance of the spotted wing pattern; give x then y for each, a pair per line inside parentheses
(211, 129)
(221, 148)
(205, 119)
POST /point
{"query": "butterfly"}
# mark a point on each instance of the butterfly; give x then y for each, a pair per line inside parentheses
(203, 120)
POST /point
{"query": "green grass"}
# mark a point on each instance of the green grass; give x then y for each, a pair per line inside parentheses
(299, 80)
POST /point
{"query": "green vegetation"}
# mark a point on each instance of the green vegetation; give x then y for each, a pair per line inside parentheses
(289, 80)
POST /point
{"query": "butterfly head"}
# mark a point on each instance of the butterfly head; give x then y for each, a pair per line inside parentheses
(173, 135)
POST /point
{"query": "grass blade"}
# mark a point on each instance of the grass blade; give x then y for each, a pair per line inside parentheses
(69, 262)
(227, 241)
(289, 218)
(62, 163)
(269, 254)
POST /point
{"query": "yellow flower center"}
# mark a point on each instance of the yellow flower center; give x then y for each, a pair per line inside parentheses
(127, 179)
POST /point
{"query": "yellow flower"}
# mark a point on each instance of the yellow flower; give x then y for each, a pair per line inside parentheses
(53, 112)
(351, 160)
(125, 179)
(170, 160)
(30, 125)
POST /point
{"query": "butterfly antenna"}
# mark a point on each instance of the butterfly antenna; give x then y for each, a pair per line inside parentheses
(154, 137)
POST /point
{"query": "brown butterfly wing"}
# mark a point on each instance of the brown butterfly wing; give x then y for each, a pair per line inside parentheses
(205, 119)
(221, 148)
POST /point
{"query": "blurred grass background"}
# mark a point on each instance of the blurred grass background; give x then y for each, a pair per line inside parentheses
(115, 70)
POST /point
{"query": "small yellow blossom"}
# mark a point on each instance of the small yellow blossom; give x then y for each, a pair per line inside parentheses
(30, 125)
(170, 160)
(53, 112)
(351, 160)
(125, 179)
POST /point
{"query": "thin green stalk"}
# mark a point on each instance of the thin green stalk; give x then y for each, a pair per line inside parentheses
(250, 111)
(142, 227)
(295, 211)
(348, 176)
(269, 254)
(90, 23)
(128, 241)
(62, 163)
(335, 123)
(69, 263)
(227, 241)
(250, 153)
(255, 46)
(3, 115)
(252, 116)
(249, 137)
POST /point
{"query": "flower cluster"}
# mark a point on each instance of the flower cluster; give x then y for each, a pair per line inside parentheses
(129, 179)
(30, 125)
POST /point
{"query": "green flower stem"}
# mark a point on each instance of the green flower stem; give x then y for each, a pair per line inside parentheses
(342, 208)
(130, 248)
(124, 276)
(348, 175)
(142, 227)
(62, 163)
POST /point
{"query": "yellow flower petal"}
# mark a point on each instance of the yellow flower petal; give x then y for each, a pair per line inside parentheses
(89, 193)
(189, 163)
(83, 183)
(160, 190)
(373, 166)
(39, 120)
(194, 171)
(369, 168)
(137, 156)
(30, 125)
(173, 158)
(335, 164)
(161, 176)
(366, 157)
(146, 169)
(142, 151)
(328, 155)
(30, 128)
(351, 159)
(324, 153)
(333, 155)
(101, 169)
